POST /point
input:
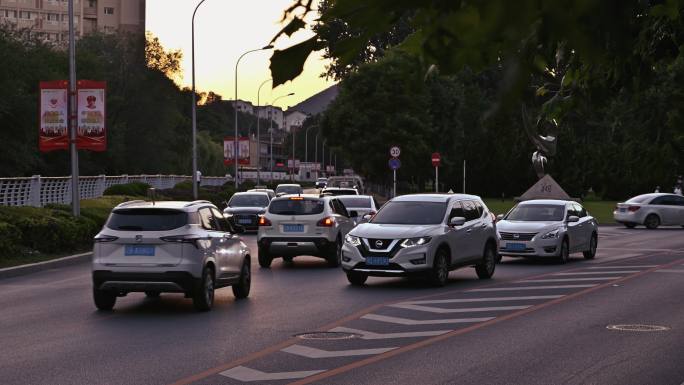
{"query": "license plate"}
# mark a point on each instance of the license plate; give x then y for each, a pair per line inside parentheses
(377, 261)
(623, 209)
(244, 221)
(516, 246)
(147, 251)
(293, 228)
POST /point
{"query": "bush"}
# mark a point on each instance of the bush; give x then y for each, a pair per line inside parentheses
(10, 239)
(134, 189)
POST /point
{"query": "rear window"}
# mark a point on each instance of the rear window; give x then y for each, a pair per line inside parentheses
(289, 190)
(640, 198)
(146, 219)
(355, 202)
(338, 192)
(296, 206)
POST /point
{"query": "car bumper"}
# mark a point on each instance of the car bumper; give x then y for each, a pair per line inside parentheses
(292, 247)
(404, 262)
(170, 281)
(533, 248)
(627, 217)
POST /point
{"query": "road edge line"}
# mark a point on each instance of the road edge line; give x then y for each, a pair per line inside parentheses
(16, 271)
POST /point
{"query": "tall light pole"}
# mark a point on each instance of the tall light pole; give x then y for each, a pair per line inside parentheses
(235, 111)
(271, 130)
(293, 154)
(306, 142)
(259, 132)
(75, 194)
(316, 152)
(323, 157)
(194, 109)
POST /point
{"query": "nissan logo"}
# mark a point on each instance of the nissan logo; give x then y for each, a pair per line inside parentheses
(138, 238)
(516, 236)
(378, 244)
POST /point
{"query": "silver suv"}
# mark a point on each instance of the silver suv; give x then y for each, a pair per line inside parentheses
(427, 234)
(303, 225)
(182, 247)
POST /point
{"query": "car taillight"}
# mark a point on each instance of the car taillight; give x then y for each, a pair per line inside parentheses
(263, 221)
(633, 208)
(326, 222)
(105, 238)
(192, 239)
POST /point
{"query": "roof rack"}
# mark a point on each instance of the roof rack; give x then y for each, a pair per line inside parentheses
(196, 203)
(123, 204)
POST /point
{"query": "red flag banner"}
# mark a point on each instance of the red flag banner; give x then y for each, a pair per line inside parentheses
(53, 133)
(91, 133)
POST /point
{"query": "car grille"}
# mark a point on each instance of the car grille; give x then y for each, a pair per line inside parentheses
(517, 236)
(379, 244)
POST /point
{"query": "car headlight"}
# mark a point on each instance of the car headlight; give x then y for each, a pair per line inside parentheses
(352, 240)
(551, 234)
(410, 242)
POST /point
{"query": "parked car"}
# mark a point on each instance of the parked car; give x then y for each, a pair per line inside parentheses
(651, 210)
(339, 191)
(303, 225)
(321, 182)
(548, 228)
(270, 192)
(426, 234)
(244, 208)
(178, 247)
(362, 204)
(288, 188)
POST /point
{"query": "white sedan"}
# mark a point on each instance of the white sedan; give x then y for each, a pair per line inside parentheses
(651, 210)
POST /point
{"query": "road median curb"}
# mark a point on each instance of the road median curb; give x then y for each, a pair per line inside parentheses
(29, 268)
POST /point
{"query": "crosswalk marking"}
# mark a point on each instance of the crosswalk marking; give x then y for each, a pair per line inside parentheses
(670, 271)
(309, 352)
(570, 279)
(439, 310)
(624, 267)
(531, 288)
(599, 272)
(489, 299)
(408, 321)
(245, 374)
(366, 335)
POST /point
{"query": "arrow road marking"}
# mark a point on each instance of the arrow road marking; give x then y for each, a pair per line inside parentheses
(533, 287)
(309, 352)
(408, 321)
(440, 310)
(366, 335)
(489, 299)
(245, 374)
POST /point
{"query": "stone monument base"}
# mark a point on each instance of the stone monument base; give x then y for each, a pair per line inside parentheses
(545, 188)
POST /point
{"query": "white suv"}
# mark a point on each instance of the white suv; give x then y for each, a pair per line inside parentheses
(182, 247)
(303, 225)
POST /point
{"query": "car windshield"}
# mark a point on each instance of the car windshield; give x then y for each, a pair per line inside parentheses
(248, 200)
(351, 201)
(411, 213)
(296, 206)
(640, 198)
(537, 213)
(289, 190)
(146, 219)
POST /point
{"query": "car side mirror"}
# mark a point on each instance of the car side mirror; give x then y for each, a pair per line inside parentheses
(456, 221)
(499, 217)
(239, 229)
(366, 218)
(573, 219)
(353, 214)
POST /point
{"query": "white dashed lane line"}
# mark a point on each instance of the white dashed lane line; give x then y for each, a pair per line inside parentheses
(680, 271)
(489, 299)
(531, 288)
(624, 267)
(366, 335)
(440, 310)
(408, 321)
(570, 279)
(245, 374)
(600, 272)
(309, 352)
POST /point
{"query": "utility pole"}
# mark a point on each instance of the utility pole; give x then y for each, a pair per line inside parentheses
(75, 194)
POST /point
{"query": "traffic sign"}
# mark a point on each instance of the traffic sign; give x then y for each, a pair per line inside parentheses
(436, 159)
(394, 163)
(395, 151)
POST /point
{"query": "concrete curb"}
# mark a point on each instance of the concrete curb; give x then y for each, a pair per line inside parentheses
(16, 271)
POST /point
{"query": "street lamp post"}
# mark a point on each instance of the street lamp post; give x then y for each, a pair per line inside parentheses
(194, 109)
(293, 154)
(316, 153)
(271, 130)
(306, 142)
(235, 140)
(323, 157)
(72, 123)
(259, 132)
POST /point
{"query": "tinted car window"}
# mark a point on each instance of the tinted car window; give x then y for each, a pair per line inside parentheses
(288, 190)
(457, 211)
(536, 213)
(248, 200)
(340, 192)
(668, 200)
(470, 211)
(207, 219)
(301, 206)
(221, 222)
(355, 202)
(146, 219)
(480, 208)
(581, 212)
(411, 213)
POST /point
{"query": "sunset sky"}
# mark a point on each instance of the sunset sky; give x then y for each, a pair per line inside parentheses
(224, 29)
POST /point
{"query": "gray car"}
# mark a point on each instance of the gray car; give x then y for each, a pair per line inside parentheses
(547, 228)
(244, 208)
(425, 234)
(362, 204)
(651, 210)
(178, 247)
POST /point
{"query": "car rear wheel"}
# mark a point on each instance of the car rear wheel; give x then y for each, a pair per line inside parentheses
(485, 269)
(265, 259)
(652, 221)
(241, 289)
(440, 269)
(356, 278)
(564, 254)
(593, 243)
(104, 300)
(335, 257)
(203, 298)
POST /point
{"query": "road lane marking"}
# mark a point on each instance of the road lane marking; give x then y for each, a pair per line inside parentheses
(366, 335)
(309, 352)
(489, 299)
(600, 272)
(245, 374)
(533, 287)
(625, 267)
(408, 321)
(570, 279)
(440, 310)
(681, 271)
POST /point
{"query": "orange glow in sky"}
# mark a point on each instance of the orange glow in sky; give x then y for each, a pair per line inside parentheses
(224, 30)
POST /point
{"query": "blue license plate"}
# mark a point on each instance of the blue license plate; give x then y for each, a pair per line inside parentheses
(516, 246)
(244, 221)
(623, 209)
(377, 261)
(147, 251)
(293, 228)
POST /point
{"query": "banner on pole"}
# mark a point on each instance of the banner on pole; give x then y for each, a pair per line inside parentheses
(53, 134)
(229, 150)
(91, 133)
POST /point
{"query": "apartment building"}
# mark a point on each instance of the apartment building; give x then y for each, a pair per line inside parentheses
(49, 18)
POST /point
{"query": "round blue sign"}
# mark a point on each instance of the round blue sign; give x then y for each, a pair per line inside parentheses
(394, 163)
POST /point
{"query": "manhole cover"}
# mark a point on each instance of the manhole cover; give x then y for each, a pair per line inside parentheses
(638, 328)
(326, 336)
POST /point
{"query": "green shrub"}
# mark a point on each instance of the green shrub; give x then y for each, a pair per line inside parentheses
(10, 239)
(133, 188)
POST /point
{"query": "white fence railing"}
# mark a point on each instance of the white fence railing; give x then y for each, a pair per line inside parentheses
(38, 191)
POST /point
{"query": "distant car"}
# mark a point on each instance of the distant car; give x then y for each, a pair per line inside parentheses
(321, 182)
(651, 210)
(547, 228)
(362, 204)
(270, 192)
(180, 247)
(352, 181)
(297, 225)
(424, 234)
(244, 208)
(339, 191)
(288, 188)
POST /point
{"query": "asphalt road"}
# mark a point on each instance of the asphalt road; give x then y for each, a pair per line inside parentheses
(535, 323)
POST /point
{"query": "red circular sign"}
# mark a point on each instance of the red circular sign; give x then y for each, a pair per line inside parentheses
(436, 158)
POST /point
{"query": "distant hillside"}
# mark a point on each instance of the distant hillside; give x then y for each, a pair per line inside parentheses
(316, 103)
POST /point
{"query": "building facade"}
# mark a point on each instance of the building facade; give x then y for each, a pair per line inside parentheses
(294, 119)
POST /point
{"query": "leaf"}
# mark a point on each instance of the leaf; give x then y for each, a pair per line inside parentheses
(293, 26)
(541, 91)
(287, 64)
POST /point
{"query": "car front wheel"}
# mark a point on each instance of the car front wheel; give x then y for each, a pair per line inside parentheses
(485, 269)
(593, 243)
(440, 269)
(564, 254)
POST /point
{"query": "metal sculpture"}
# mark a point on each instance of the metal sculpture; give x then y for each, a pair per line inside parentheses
(545, 144)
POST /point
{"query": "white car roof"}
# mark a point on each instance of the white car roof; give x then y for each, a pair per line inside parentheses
(433, 197)
(546, 202)
(251, 193)
(179, 205)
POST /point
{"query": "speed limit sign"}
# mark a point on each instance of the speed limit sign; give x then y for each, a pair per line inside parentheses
(395, 151)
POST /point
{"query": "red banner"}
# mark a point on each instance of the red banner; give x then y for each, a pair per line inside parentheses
(53, 133)
(91, 133)
(229, 150)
